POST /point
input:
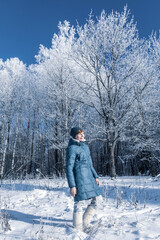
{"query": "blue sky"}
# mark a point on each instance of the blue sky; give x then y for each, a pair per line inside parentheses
(25, 24)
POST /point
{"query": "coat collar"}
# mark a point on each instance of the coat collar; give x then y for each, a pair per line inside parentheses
(73, 141)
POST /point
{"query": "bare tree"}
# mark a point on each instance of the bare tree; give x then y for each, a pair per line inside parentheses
(120, 70)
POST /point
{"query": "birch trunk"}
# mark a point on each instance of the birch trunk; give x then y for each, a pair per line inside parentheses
(4, 153)
(1, 142)
(15, 144)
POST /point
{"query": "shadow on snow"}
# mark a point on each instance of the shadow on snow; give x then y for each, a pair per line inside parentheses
(32, 219)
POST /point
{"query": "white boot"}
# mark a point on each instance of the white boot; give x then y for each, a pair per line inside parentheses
(77, 220)
(87, 217)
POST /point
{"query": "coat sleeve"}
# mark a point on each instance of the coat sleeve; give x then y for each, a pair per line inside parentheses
(70, 160)
(95, 175)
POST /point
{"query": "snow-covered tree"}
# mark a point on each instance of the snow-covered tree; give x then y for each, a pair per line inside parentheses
(120, 68)
(55, 86)
(13, 92)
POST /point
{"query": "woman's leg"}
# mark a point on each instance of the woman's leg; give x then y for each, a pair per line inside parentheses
(89, 212)
(77, 215)
(93, 203)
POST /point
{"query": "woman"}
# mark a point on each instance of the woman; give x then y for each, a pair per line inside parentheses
(82, 179)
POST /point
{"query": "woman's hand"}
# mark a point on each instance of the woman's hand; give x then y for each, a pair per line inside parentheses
(97, 181)
(73, 191)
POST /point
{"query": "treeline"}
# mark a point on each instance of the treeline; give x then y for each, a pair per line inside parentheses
(101, 77)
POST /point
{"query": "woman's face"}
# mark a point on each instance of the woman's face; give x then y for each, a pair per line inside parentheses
(80, 136)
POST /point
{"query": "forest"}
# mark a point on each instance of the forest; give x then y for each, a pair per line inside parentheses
(100, 76)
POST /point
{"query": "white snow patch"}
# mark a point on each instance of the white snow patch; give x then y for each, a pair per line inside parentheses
(42, 210)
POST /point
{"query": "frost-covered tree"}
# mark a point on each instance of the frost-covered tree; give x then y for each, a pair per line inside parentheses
(55, 86)
(120, 69)
(13, 92)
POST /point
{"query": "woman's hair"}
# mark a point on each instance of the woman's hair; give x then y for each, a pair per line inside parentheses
(80, 131)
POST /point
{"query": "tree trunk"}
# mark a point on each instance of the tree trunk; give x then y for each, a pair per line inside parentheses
(15, 143)
(112, 162)
(5, 149)
(1, 142)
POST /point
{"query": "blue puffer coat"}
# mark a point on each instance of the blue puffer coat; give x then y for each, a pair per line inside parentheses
(80, 172)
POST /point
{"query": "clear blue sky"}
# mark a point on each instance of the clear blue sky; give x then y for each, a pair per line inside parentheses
(25, 24)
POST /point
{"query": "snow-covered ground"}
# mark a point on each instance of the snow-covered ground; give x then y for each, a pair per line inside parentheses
(42, 209)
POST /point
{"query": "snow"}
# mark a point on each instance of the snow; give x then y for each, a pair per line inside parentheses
(42, 209)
